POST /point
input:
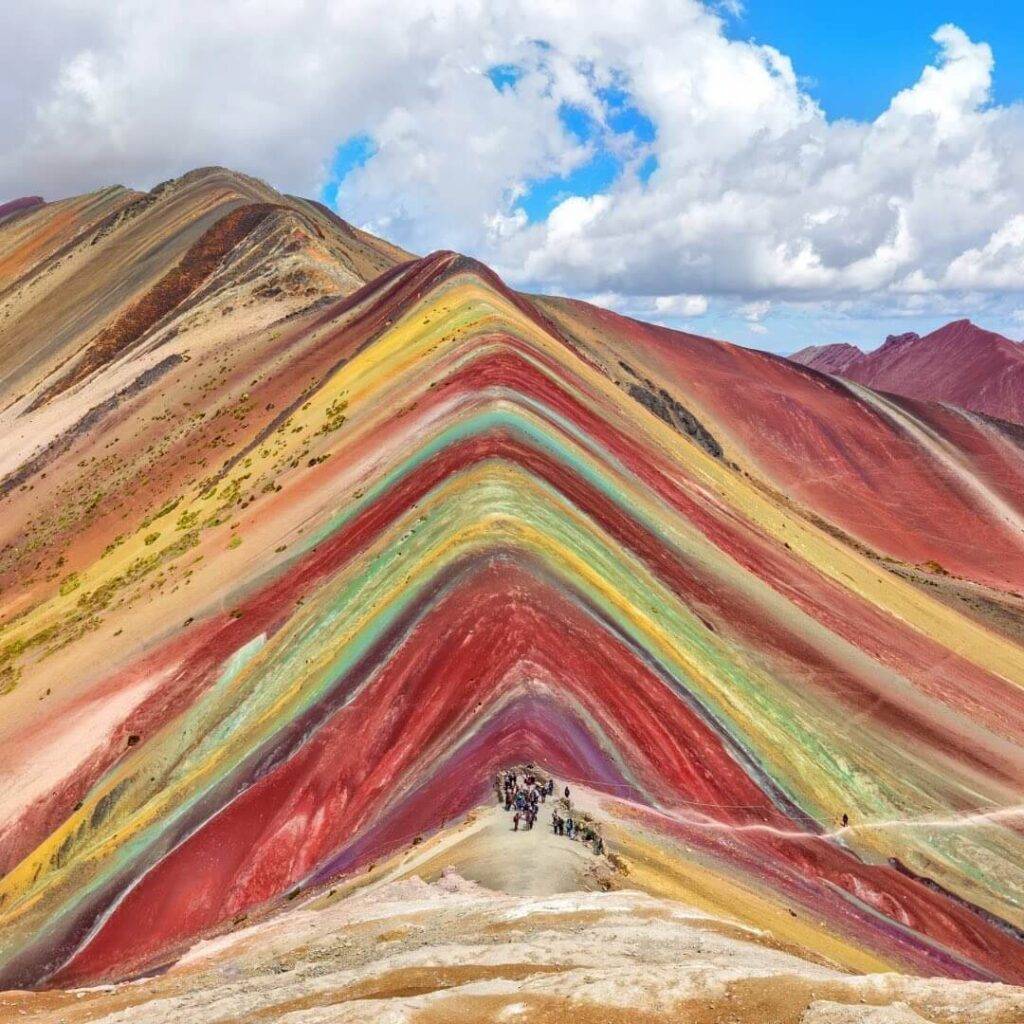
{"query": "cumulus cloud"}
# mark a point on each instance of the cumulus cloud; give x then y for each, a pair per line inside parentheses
(755, 196)
(754, 313)
(998, 264)
(758, 194)
(681, 305)
(670, 310)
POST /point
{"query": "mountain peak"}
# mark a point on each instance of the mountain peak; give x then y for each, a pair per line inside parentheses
(960, 364)
(17, 205)
(894, 340)
(833, 358)
(965, 331)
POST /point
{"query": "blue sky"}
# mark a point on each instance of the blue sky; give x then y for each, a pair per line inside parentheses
(853, 57)
(600, 171)
(856, 55)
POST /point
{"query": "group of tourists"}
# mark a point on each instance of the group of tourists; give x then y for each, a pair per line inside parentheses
(524, 798)
(573, 829)
(523, 791)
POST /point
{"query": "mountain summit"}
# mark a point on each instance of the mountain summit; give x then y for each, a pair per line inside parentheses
(961, 364)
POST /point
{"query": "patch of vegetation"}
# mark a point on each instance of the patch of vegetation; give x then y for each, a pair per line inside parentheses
(164, 510)
(187, 520)
(9, 676)
(334, 416)
(69, 584)
(114, 544)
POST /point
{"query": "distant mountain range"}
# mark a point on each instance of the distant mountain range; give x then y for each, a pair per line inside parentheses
(960, 364)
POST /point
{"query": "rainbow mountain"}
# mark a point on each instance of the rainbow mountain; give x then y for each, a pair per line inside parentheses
(304, 538)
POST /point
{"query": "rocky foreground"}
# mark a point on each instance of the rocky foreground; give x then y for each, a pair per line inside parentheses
(450, 950)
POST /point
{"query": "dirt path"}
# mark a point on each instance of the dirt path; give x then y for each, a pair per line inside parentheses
(529, 863)
(485, 849)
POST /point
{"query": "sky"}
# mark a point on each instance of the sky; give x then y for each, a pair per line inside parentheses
(777, 173)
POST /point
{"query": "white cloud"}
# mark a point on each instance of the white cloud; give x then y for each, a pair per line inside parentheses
(141, 92)
(681, 305)
(998, 264)
(607, 300)
(757, 197)
(754, 312)
(948, 92)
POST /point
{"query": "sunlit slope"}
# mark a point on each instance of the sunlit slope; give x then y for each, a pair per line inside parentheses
(440, 528)
(83, 280)
(133, 328)
(910, 479)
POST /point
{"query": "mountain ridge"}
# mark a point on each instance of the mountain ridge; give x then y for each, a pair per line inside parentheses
(960, 364)
(292, 574)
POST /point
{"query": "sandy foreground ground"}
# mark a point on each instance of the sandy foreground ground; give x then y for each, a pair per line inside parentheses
(540, 935)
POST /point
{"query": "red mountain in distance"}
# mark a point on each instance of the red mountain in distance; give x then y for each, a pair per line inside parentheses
(17, 205)
(961, 364)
